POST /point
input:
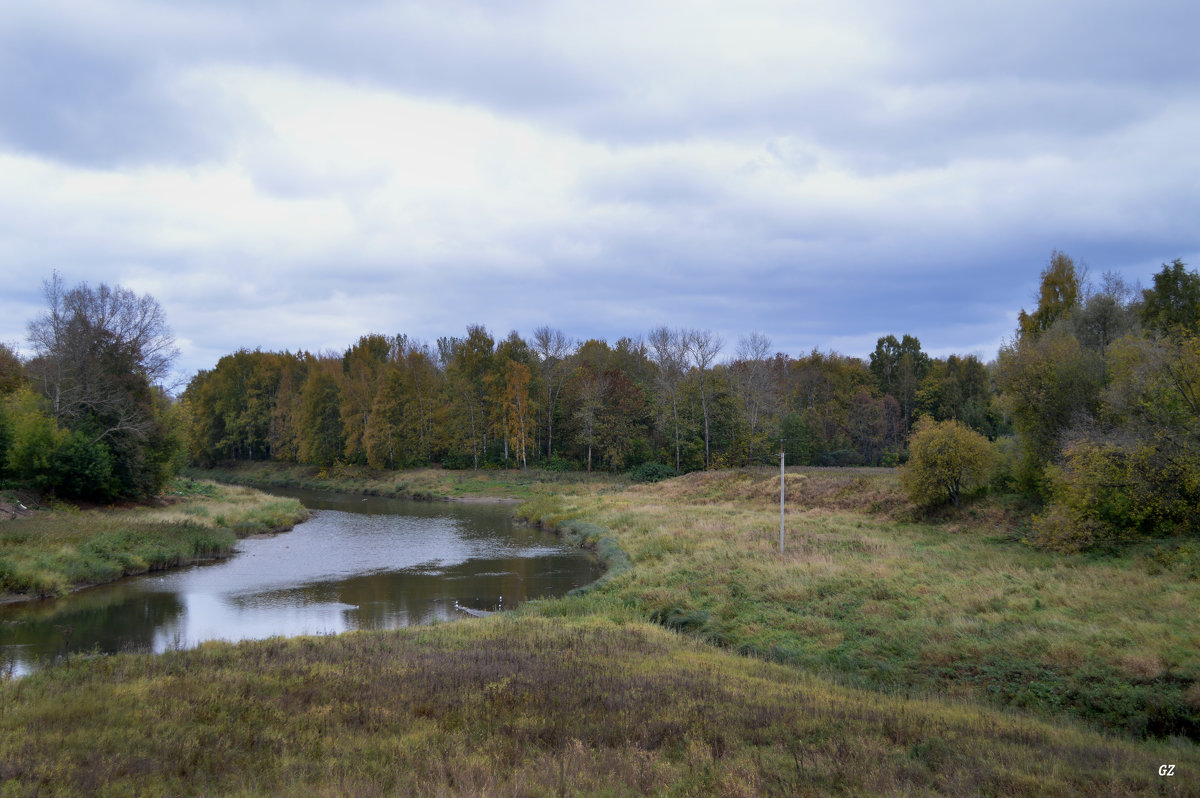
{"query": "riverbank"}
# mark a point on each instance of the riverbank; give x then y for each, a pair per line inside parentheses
(877, 655)
(419, 484)
(56, 551)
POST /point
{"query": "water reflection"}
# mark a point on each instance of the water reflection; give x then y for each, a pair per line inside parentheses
(96, 620)
(357, 564)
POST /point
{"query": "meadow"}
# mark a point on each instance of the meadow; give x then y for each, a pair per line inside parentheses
(883, 653)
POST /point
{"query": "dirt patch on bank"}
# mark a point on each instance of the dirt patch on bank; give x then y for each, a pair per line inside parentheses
(10, 511)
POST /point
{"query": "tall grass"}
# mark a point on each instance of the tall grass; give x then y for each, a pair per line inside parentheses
(520, 705)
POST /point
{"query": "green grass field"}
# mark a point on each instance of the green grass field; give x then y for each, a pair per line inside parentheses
(880, 655)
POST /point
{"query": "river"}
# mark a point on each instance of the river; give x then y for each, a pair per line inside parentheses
(358, 563)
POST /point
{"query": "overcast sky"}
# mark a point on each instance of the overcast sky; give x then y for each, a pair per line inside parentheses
(291, 174)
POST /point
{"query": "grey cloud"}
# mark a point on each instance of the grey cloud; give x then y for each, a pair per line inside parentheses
(1070, 41)
(101, 102)
(940, 228)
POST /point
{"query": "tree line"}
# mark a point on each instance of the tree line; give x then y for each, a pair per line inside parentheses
(478, 402)
(1092, 408)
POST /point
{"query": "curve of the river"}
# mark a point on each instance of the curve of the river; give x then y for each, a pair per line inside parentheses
(358, 563)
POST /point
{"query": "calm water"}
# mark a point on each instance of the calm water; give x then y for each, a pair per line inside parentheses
(357, 564)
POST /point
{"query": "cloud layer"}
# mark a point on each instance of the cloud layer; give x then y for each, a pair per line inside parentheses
(292, 175)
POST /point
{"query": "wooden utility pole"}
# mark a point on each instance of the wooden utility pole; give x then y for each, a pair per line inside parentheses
(782, 484)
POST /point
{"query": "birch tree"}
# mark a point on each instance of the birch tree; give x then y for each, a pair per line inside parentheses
(668, 353)
(702, 348)
(553, 351)
(755, 385)
(590, 392)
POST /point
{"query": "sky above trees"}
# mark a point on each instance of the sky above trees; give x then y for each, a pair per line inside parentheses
(287, 175)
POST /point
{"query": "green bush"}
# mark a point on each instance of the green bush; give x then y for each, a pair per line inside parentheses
(946, 459)
(83, 469)
(457, 462)
(1108, 492)
(35, 438)
(652, 472)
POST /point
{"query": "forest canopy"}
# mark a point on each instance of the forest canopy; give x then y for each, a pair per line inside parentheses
(475, 402)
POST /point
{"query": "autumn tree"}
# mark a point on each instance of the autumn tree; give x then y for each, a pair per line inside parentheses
(623, 422)
(874, 426)
(12, 379)
(898, 367)
(283, 431)
(425, 391)
(1134, 472)
(12, 370)
(669, 355)
(959, 388)
(232, 406)
(821, 389)
(359, 380)
(946, 460)
(752, 374)
(322, 440)
(1105, 313)
(468, 361)
(1058, 294)
(1048, 384)
(388, 433)
(1048, 380)
(405, 412)
(517, 410)
(590, 390)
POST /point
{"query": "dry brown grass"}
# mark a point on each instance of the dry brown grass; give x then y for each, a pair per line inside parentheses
(1143, 666)
(874, 491)
(1192, 695)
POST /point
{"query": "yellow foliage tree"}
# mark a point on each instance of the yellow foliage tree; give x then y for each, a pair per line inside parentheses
(518, 418)
(946, 459)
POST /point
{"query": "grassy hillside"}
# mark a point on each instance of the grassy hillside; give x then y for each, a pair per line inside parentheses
(870, 598)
